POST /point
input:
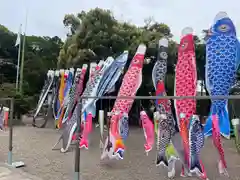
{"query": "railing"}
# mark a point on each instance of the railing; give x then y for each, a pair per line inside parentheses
(77, 152)
(9, 102)
(163, 97)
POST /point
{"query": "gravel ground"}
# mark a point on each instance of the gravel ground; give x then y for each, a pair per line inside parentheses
(10, 173)
(33, 146)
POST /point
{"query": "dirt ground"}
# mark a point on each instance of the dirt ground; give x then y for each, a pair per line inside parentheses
(33, 146)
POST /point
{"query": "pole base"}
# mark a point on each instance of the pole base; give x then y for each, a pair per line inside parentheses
(77, 176)
(17, 164)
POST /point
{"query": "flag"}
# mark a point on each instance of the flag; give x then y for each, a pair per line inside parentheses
(18, 40)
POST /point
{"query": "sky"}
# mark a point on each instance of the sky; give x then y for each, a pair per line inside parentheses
(45, 16)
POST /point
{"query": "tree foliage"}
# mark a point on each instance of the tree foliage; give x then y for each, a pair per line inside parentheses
(97, 34)
(41, 54)
(92, 36)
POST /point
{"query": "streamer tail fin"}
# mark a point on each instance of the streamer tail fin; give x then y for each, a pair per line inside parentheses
(223, 121)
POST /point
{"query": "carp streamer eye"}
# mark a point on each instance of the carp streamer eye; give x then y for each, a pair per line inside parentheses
(223, 28)
(163, 55)
(184, 45)
(136, 60)
(163, 136)
(163, 124)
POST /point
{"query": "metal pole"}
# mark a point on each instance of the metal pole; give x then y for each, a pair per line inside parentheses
(5, 99)
(10, 132)
(219, 97)
(77, 151)
(23, 56)
(19, 57)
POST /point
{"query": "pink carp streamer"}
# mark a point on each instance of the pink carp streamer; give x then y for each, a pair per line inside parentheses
(87, 128)
(185, 85)
(216, 137)
(148, 129)
(131, 82)
(78, 92)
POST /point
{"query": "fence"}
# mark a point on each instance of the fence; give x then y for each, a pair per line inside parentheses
(79, 106)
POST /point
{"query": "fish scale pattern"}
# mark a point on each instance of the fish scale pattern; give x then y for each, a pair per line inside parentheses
(164, 135)
(185, 84)
(196, 137)
(90, 86)
(72, 122)
(103, 86)
(130, 84)
(200, 143)
(166, 128)
(93, 80)
(124, 128)
(159, 71)
(72, 95)
(61, 89)
(158, 141)
(217, 140)
(221, 66)
(163, 106)
(1, 117)
(93, 83)
(148, 130)
(68, 88)
(112, 75)
(56, 87)
(68, 128)
(80, 84)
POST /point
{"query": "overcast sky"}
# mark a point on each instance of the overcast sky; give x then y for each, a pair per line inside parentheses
(45, 16)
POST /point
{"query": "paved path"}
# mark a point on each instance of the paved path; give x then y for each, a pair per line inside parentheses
(33, 146)
(9, 173)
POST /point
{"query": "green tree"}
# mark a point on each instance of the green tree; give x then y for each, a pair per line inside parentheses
(97, 34)
(40, 55)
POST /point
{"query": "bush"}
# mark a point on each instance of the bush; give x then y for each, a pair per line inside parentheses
(22, 105)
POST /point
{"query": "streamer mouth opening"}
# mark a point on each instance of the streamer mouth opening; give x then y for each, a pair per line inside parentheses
(195, 116)
(163, 116)
(163, 42)
(141, 49)
(142, 113)
(220, 16)
(186, 31)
